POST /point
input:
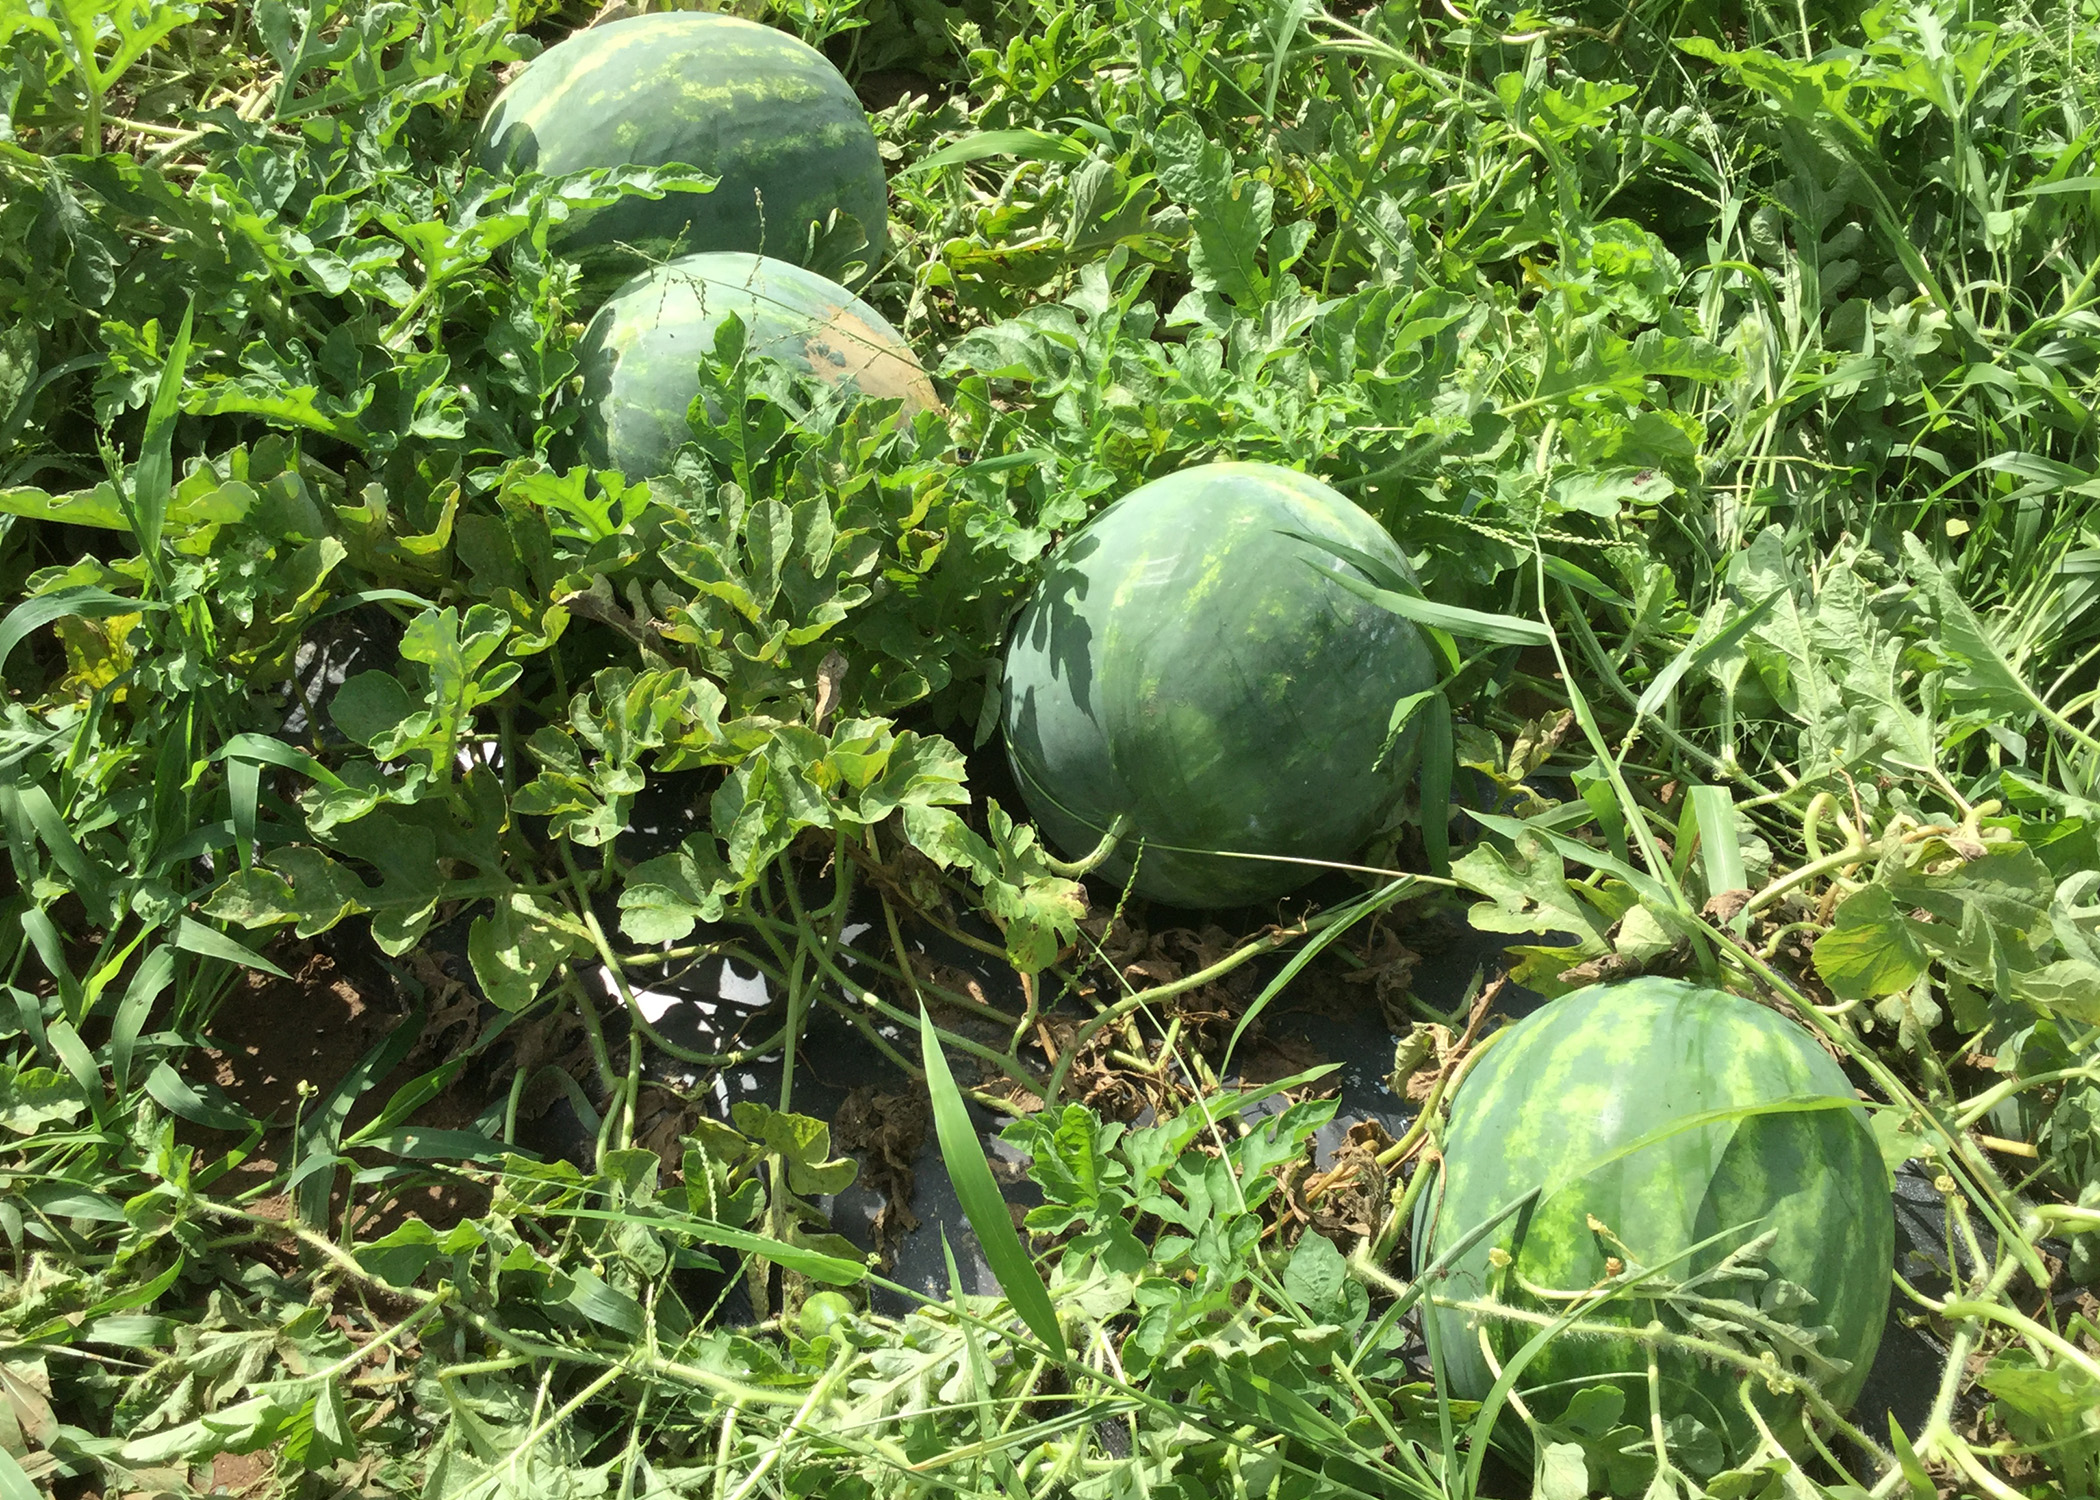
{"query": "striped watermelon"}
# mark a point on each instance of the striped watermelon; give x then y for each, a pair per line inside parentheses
(1189, 663)
(641, 352)
(768, 116)
(1599, 1070)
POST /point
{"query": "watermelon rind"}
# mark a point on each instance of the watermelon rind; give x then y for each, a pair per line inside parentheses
(1556, 1102)
(766, 115)
(640, 355)
(1190, 663)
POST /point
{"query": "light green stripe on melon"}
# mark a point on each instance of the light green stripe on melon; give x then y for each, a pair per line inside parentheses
(764, 114)
(1188, 664)
(601, 57)
(640, 354)
(1605, 1099)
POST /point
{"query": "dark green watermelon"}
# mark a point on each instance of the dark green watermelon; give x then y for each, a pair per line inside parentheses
(640, 354)
(1191, 664)
(752, 106)
(1599, 1070)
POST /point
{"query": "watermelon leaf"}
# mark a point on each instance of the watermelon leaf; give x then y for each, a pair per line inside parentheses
(1562, 1474)
(1871, 950)
(1037, 909)
(83, 602)
(516, 949)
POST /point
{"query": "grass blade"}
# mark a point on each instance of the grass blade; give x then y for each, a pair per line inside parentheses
(1377, 901)
(33, 805)
(1714, 808)
(980, 1197)
(316, 1141)
(192, 936)
(1022, 144)
(1455, 619)
(14, 1484)
(264, 750)
(85, 602)
(1698, 653)
(51, 949)
(153, 481)
(156, 971)
(830, 1269)
(1390, 589)
(1576, 577)
(244, 792)
(1438, 756)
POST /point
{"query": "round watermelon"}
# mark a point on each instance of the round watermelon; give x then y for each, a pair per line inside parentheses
(1190, 663)
(1597, 1098)
(641, 352)
(752, 106)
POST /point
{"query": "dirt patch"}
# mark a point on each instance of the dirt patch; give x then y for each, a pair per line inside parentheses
(271, 1036)
(238, 1473)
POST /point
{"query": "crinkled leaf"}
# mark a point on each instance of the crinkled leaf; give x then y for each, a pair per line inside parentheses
(517, 948)
(803, 1143)
(666, 897)
(2069, 987)
(1316, 1274)
(34, 1097)
(294, 884)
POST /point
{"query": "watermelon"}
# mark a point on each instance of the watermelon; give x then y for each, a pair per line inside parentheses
(1592, 1074)
(1190, 663)
(641, 353)
(767, 116)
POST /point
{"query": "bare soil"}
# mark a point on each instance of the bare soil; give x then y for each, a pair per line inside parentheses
(271, 1035)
